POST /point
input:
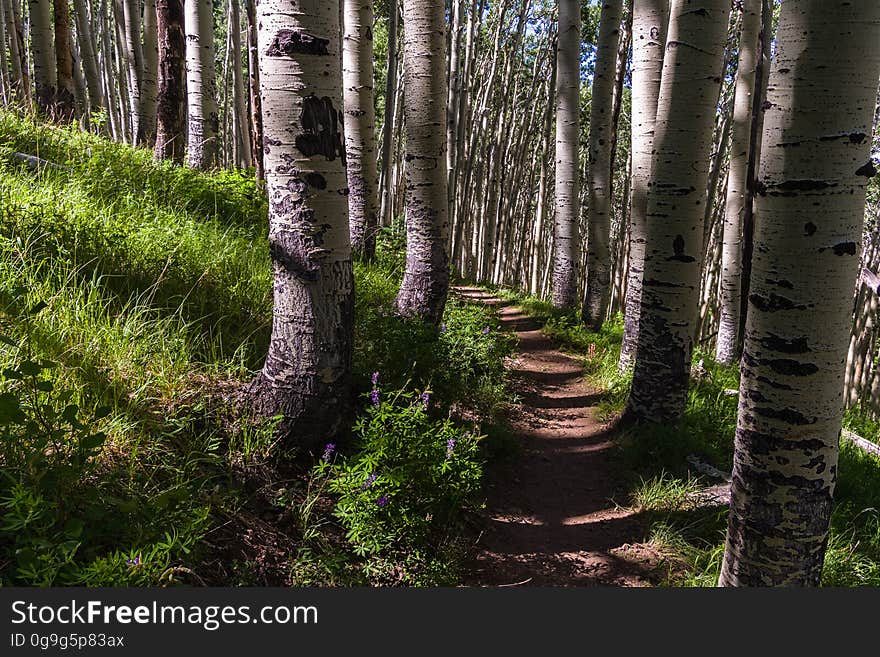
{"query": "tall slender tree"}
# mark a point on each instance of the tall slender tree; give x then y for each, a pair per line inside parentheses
(598, 289)
(254, 90)
(134, 58)
(650, 20)
(171, 91)
(149, 79)
(201, 83)
(43, 54)
(360, 119)
(728, 343)
(426, 279)
(386, 185)
(566, 234)
(87, 48)
(306, 376)
(689, 92)
(65, 102)
(813, 175)
(240, 127)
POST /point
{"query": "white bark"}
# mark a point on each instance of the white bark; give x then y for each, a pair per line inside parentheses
(692, 70)
(134, 56)
(149, 86)
(87, 49)
(566, 234)
(43, 54)
(201, 82)
(810, 206)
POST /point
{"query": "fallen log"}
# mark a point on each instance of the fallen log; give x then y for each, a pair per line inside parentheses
(37, 164)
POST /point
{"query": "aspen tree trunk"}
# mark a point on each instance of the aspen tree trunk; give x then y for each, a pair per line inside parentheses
(727, 349)
(5, 84)
(65, 101)
(43, 53)
(689, 92)
(16, 47)
(171, 92)
(814, 172)
(134, 55)
(650, 21)
(240, 127)
(600, 174)
(120, 73)
(386, 187)
(306, 377)
(149, 88)
(254, 85)
(85, 38)
(426, 279)
(103, 28)
(566, 235)
(201, 84)
(360, 120)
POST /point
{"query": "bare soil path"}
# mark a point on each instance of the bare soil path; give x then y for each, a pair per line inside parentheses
(550, 518)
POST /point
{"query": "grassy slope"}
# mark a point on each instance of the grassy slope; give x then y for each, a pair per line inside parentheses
(157, 290)
(656, 461)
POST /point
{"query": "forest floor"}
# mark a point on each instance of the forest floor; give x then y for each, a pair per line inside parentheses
(551, 517)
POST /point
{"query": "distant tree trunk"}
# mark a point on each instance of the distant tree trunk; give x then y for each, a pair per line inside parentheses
(727, 350)
(306, 378)
(149, 89)
(201, 79)
(65, 100)
(17, 55)
(43, 53)
(598, 288)
(5, 83)
(426, 279)
(813, 177)
(386, 188)
(87, 49)
(134, 56)
(360, 119)
(689, 92)
(568, 75)
(254, 84)
(171, 94)
(240, 127)
(650, 20)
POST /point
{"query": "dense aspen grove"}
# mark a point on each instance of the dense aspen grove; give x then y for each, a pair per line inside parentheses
(683, 192)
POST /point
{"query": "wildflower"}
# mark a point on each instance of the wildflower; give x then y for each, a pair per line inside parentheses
(134, 562)
(375, 379)
(370, 481)
(450, 445)
(486, 331)
(382, 501)
(426, 399)
(443, 328)
(329, 448)
(374, 397)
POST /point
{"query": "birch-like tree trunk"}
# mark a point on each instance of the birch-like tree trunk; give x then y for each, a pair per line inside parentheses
(689, 91)
(254, 91)
(43, 55)
(87, 51)
(201, 83)
(727, 349)
(566, 235)
(134, 57)
(426, 279)
(386, 187)
(5, 83)
(149, 81)
(810, 206)
(16, 48)
(240, 127)
(650, 21)
(360, 119)
(171, 92)
(306, 376)
(598, 288)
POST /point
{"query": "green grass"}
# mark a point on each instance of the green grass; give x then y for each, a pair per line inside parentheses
(654, 460)
(146, 288)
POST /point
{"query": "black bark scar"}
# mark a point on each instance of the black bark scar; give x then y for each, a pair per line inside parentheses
(320, 124)
(292, 42)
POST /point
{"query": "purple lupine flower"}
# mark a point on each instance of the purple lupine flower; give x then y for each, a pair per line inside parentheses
(450, 445)
(374, 397)
(443, 328)
(426, 399)
(134, 562)
(382, 501)
(370, 481)
(329, 448)
(486, 331)
(375, 379)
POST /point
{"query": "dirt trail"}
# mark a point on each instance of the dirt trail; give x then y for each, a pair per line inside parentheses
(550, 519)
